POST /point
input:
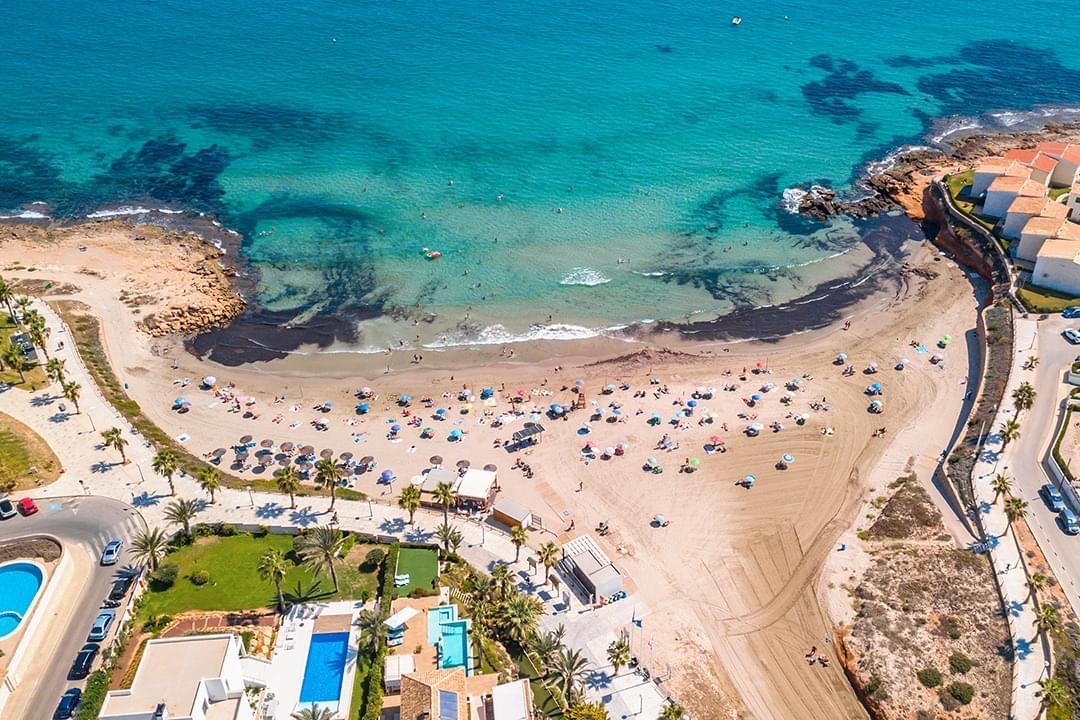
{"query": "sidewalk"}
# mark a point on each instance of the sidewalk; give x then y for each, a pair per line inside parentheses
(1031, 654)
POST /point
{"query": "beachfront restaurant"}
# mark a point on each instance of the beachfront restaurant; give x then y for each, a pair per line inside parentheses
(432, 479)
(476, 489)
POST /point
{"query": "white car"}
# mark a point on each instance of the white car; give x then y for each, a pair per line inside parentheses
(1072, 336)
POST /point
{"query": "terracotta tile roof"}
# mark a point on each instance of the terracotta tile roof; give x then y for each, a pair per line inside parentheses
(1026, 204)
(1033, 189)
(1052, 148)
(1024, 156)
(1059, 249)
(992, 164)
(1044, 162)
(1016, 169)
(1043, 226)
(1007, 183)
(1072, 154)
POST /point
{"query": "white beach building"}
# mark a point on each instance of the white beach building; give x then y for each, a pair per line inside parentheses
(990, 170)
(1058, 265)
(1066, 171)
(1005, 189)
(1023, 208)
(1037, 231)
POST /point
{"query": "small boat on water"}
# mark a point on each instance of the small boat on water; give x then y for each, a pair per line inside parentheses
(736, 20)
(431, 254)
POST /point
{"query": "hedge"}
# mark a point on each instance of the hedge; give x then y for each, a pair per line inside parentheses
(93, 697)
(1056, 452)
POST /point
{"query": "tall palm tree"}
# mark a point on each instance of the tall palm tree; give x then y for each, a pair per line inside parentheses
(502, 580)
(314, 713)
(618, 654)
(273, 567)
(672, 711)
(39, 333)
(544, 646)
(1054, 693)
(445, 533)
(569, 668)
(1047, 619)
(180, 512)
(1016, 509)
(7, 294)
(71, 393)
(1032, 362)
(288, 481)
(13, 358)
(1023, 397)
(166, 464)
(150, 546)
(519, 537)
(23, 303)
(327, 475)
(319, 549)
(54, 369)
(518, 616)
(409, 500)
(1010, 430)
(1002, 485)
(444, 495)
(372, 630)
(585, 710)
(209, 479)
(549, 556)
(1036, 582)
(114, 438)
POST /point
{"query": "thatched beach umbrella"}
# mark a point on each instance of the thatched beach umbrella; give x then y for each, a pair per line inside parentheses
(463, 464)
(268, 443)
(435, 459)
(219, 452)
(246, 439)
(346, 456)
(326, 453)
(287, 447)
(490, 468)
(266, 460)
(307, 450)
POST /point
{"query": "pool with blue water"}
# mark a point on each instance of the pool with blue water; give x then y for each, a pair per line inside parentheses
(325, 667)
(21, 582)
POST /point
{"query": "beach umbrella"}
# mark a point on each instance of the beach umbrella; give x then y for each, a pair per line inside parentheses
(659, 519)
(179, 401)
(395, 429)
(435, 459)
(490, 468)
(266, 460)
(405, 400)
(691, 403)
(714, 439)
(283, 461)
(609, 386)
(486, 393)
(788, 458)
(241, 451)
(693, 462)
(755, 398)
(307, 450)
(440, 412)
(651, 461)
(219, 452)
(287, 447)
(365, 391)
(267, 443)
(902, 363)
(427, 432)
(326, 453)
(209, 381)
(455, 433)
(246, 439)
(327, 405)
(386, 475)
(749, 480)
(618, 411)
(362, 408)
(521, 392)
(876, 406)
(346, 456)
(321, 422)
(466, 407)
(463, 464)
(367, 460)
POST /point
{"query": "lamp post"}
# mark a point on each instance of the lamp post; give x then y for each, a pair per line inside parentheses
(370, 512)
(251, 497)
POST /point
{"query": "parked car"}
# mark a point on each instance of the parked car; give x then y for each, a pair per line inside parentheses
(1072, 336)
(84, 661)
(7, 509)
(111, 553)
(27, 506)
(102, 623)
(1052, 497)
(1071, 312)
(120, 587)
(1068, 522)
(68, 703)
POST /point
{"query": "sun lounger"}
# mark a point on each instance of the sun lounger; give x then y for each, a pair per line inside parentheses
(395, 642)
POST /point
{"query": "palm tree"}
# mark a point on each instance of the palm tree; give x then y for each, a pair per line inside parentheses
(150, 546)
(456, 538)
(1047, 619)
(180, 512)
(54, 369)
(1032, 362)
(23, 303)
(273, 567)
(14, 359)
(409, 500)
(618, 654)
(519, 537)
(39, 333)
(314, 713)
(1054, 693)
(288, 481)
(209, 479)
(327, 475)
(165, 464)
(544, 646)
(1016, 509)
(1010, 430)
(1023, 397)
(518, 616)
(1036, 582)
(113, 438)
(372, 630)
(445, 533)
(320, 549)
(502, 580)
(71, 393)
(1002, 485)
(7, 294)
(445, 496)
(585, 710)
(569, 668)
(672, 711)
(549, 556)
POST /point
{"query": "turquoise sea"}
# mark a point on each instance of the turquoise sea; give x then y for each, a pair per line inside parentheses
(602, 163)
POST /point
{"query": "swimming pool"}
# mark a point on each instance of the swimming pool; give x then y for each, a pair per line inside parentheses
(454, 645)
(436, 617)
(21, 582)
(325, 667)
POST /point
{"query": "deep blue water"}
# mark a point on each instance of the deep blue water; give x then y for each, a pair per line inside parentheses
(325, 667)
(601, 162)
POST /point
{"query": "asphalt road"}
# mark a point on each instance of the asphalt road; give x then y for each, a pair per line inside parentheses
(1036, 432)
(90, 522)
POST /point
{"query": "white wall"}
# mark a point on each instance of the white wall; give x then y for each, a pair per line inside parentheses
(1030, 244)
(1057, 274)
(997, 203)
(1074, 207)
(982, 181)
(1014, 224)
(1064, 174)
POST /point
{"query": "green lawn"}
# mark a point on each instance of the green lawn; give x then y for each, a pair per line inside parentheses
(542, 696)
(35, 376)
(1055, 193)
(235, 583)
(1039, 300)
(25, 457)
(422, 567)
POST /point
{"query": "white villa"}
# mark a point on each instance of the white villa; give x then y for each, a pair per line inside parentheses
(1015, 189)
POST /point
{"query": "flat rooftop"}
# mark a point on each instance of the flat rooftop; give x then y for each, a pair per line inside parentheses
(170, 672)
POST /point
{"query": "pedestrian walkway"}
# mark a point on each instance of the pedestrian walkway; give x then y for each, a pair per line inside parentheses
(1031, 652)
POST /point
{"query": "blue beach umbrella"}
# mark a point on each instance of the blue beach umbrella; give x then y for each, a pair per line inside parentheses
(395, 428)
(405, 399)
(691, 403)
(386, 475)
(440, 412)
(362, 408)
(179, 401)
(455, 433)
(486, 393)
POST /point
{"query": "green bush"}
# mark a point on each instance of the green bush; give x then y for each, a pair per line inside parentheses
(389, 568)
(962, 692)
(421, 592)
(929, 677)
(97, 684)
(200, 577)
(165, 575)
(960, 663)
(347, 544)
(261, 531)
(874, 685)
(373, 559)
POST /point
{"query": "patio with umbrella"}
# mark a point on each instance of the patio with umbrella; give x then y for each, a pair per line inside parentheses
(435, 460)
(326, 453)
(268, 443)
(245, 439)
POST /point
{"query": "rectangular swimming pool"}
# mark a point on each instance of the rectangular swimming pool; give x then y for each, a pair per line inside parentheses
(454, 645)
(325, 667)
(436, 617)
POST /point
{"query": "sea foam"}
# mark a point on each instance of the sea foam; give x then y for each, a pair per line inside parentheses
(584, 276)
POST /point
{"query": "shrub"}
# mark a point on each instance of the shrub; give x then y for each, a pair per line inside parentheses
(261, 531)
(165, 575)
(200, 577)
(156, 623)
(960, 663)
(423, 592)
(373, 559)
(874, 685)
(929, 677)
(389, 568)
(347, 544)
(962, 692)
(951, 627)
(93, 697)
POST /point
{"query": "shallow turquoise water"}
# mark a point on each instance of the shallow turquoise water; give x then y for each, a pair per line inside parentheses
(603, 163)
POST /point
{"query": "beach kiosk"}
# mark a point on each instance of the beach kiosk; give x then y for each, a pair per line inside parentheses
(531, 434)
(476, 489)
(511, 514)
(431, 481)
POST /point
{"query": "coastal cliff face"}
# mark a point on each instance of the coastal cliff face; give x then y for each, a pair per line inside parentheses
(174, 282)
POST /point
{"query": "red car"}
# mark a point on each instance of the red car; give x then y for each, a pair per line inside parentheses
(27, 506)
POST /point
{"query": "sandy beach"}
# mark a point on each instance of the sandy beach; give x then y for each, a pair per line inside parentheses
(733, 580)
